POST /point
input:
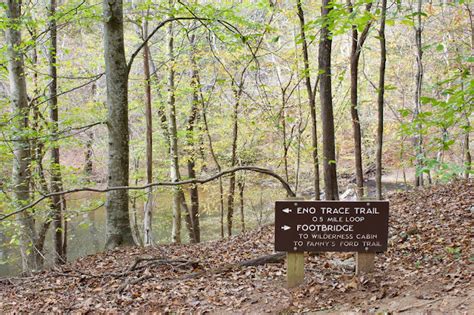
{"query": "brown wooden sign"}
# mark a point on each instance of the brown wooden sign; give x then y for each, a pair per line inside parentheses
(335, 226)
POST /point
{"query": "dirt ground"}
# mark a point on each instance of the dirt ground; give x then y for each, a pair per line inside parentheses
(428, 268)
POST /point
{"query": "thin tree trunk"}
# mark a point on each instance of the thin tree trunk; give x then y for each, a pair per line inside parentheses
(88, 165)
(357, 135)
(419, 81)
(356, 48)
(88, 162)
(37, 155)
(58, 202)
(179, 202)
(298, 150)
(285, 143)
(221, 204)
(282, 117)
(219, 168)
(380, 102)
(148, 209)
(311, 101)
(119, 232)
(327, 115)
(467, 150)
(191, 163)
(165, 125)
(161, 109)
(300, 123)
(133, 216)
(241, 186)
(233, 159)
(21, 149)
(176, 229)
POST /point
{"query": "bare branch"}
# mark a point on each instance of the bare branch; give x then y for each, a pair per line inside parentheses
(156, 29)
(256, 169)
(64, 131)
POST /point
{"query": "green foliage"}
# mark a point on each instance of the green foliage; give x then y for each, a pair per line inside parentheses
(440, 117)
(226, 42)
(454, 251)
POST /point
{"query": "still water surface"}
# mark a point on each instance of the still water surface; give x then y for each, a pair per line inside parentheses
(86, 213)
(86, 226)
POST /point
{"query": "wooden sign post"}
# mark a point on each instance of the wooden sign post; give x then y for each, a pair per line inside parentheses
(295, 269)
(334, 226)
(294, 265)
(365, 263)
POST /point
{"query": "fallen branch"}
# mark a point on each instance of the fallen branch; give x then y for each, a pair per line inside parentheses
(256, 169)
(156, 261)
(160, 261)
(263, 260)
(129, 281)
(147, 274)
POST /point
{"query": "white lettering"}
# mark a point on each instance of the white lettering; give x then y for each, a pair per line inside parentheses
(324, 228)
(301, 210)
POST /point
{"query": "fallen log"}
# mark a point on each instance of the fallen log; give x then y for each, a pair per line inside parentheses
(157, 261)
(268, 259)
(262, 260)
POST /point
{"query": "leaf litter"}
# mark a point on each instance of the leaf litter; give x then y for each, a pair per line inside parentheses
(428, 266)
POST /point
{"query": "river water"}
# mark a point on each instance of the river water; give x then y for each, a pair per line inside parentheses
(86, 218)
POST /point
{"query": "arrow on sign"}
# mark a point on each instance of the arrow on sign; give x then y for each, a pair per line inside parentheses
(285, 227)
(287, 210)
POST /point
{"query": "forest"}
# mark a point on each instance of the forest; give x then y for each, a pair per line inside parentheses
(144, 143)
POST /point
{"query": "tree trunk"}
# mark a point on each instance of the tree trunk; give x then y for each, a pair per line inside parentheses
(133, 201)
(380, 102)
(241, 186)
(419, 81)
(179, 202)
(357, 136)
(21, 148)
(285, 142)
(88, 165)
(219, 169)
(233, 159)
(88, 154)
(311, 101)
(356, 47)
(327, 116)
(221, 204)
(58, 204)
(37, 155)
(174, 170)
(163, 121)
(165, 126)
(148, 209)
(119, 232)
(467, 150)
(191, 163)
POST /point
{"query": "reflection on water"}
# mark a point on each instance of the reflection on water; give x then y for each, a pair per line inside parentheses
(86, 220)
(86, 216)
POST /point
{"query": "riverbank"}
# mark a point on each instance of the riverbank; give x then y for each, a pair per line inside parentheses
(428, 266)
